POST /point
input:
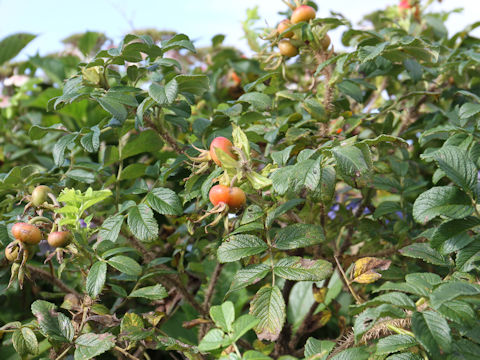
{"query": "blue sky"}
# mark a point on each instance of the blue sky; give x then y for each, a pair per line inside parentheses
(54, 20)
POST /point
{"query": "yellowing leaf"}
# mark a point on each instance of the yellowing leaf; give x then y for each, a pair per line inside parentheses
(369, 263)
(367, 277)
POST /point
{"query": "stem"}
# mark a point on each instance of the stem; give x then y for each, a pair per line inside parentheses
(63, 353)
(211, 286)
(126, 353)
(347, 282)
(39, 219)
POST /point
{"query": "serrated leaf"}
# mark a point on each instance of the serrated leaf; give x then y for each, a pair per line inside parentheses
(446, 201)
(223, 315)
(142, 223)
(243, 324)
(259, 101)
(395, 343)
(90, 345)
(426, 253)
(91, 140)
(356, 353)
(299, 235)
(432, 331)
(452, 229)
(193, 84)
(318, 349)
(457, 311)
(60, 146)
(248, 276)
(299, 269)
(452, 290)
(52, 324)
(125, 265)
(25, 342)
(111, 228)
(467, 256)
(237, 247)
(367, 319)
(165, 201)
(352, 165)
(212, 340)
(468, 109)
(456, 164)
(96, 279)
(269, 307)
(156, 292)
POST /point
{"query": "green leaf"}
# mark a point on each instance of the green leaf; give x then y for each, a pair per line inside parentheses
(237, 247)
(156, 292)
(357, 353)
(282, 209)
(468, 110)
(60, 146)
(223, 315)
(25, 342)
(256, 355)
(414, 69)
(452, 290)
(432, 331)
(395, 343)
(457, 311)
(467, 256)
(91, 140)
(367, 319)
(147, 141)
(13, 44)
(248, 276)
(212, 340)
(52, 324)
(125, 265)
(426, 253)
(114, 107)
(96, 279)
(193, 84)
(171, 90)
(452, 229)
(243, 324)
(157, 93)
(259, 101)
(318, 349)
(268, 306)
(165, 201)
(299, 269)
(142, 223)
(351, 89)
(446, 201)
(90, 345)
(111, 228)
(352, 165)
(456, 164)
(405, 356)
(298, 236)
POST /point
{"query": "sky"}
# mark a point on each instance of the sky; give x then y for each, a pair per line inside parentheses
(54, 20)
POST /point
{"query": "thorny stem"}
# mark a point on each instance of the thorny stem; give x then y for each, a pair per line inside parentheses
(347, 282)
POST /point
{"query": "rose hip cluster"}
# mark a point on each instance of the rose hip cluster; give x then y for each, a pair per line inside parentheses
(27, 235)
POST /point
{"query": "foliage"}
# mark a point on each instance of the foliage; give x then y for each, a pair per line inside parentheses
(359, 238)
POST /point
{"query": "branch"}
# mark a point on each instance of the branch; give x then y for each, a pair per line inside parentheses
(211, 286)
(304, 326)
(164, 135)
(40, 274)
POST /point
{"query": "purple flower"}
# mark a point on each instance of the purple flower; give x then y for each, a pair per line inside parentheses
(332, 214)
(83, 224)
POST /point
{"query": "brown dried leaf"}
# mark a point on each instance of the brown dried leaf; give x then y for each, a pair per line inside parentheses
(365, 264)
